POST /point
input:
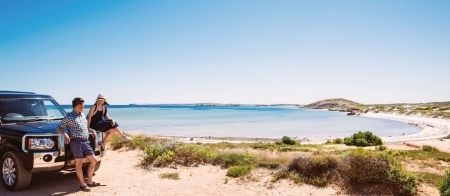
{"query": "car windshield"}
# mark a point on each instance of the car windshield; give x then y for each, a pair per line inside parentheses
(22, 109)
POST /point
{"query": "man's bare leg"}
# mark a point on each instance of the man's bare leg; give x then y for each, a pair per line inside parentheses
(90, 170)
(79, 171)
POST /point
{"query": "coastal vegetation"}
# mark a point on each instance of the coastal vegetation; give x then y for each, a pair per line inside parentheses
(317, 165)
(432, 109)
(444, 189)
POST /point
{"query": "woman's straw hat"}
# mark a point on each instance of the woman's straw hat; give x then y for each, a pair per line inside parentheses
(101, 96)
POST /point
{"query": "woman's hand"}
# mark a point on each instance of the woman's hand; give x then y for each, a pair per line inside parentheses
(113, 122)
(94, 135)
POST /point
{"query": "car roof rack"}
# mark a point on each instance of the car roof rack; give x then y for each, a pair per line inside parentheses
(15, 92)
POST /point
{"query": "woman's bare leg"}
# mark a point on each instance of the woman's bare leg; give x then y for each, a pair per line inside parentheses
(109, 134)
(121, 135)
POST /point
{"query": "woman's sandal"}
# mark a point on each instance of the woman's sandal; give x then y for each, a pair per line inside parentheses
(126, 138)
(93, 184)
(103, 148)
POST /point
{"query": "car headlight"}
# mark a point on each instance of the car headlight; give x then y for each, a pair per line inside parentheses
(40, 143)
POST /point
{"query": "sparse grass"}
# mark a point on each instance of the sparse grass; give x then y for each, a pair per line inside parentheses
(430, 178)
(425, 155)
(430, 148)
(171, 176)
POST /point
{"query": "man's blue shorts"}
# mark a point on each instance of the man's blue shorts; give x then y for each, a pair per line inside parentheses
(80, 148)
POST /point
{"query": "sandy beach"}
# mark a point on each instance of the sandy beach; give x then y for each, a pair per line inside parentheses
(119, 174)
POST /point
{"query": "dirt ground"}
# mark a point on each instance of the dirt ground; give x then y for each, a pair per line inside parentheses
(119, 175)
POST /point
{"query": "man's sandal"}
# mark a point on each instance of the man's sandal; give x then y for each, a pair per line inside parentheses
(85, 188)
(93, 184)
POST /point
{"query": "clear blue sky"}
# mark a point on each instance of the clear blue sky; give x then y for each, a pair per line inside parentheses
(229, 51)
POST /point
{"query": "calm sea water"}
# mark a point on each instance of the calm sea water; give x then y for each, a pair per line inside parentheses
(268, 122)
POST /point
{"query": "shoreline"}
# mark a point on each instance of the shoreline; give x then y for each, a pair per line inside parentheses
(430, 129)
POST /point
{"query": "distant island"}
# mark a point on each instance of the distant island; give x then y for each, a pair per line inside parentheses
(432, 109)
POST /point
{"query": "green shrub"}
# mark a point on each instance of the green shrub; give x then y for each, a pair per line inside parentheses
(158, 154)
(150, 154)
(193, 154)
(338, 141)
(236, 159)
(444, 189)
(238, 171)
(164, 159)
(363, 139)
(381, 148)
(404, 180)
(287, 140)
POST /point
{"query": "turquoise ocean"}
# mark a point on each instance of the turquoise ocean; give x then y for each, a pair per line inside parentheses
(255, 122)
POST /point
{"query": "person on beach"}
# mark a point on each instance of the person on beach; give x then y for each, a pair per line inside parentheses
(99, 120)
(78, 138)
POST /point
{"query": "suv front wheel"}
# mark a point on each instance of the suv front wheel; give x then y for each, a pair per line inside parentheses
(14, 175)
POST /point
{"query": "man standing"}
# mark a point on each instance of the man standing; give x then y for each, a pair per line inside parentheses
(78, 138)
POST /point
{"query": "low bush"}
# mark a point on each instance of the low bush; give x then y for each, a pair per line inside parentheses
(338, 141)
(287, 140)
(315, 170)
(361, 166)
(150, 154)
(363, 139)
(335, 141)
(365, 166)
(238, 171)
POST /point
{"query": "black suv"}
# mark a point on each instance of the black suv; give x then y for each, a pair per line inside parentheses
(28, 139)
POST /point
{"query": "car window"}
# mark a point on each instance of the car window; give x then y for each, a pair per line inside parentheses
(16, 108)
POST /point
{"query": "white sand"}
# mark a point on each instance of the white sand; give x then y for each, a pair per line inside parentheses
(431, 128)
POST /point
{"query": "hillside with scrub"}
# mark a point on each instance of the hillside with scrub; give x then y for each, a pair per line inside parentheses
(432, 109)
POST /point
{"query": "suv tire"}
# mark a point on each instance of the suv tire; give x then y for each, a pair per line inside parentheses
(14, 175)
(97, 166)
